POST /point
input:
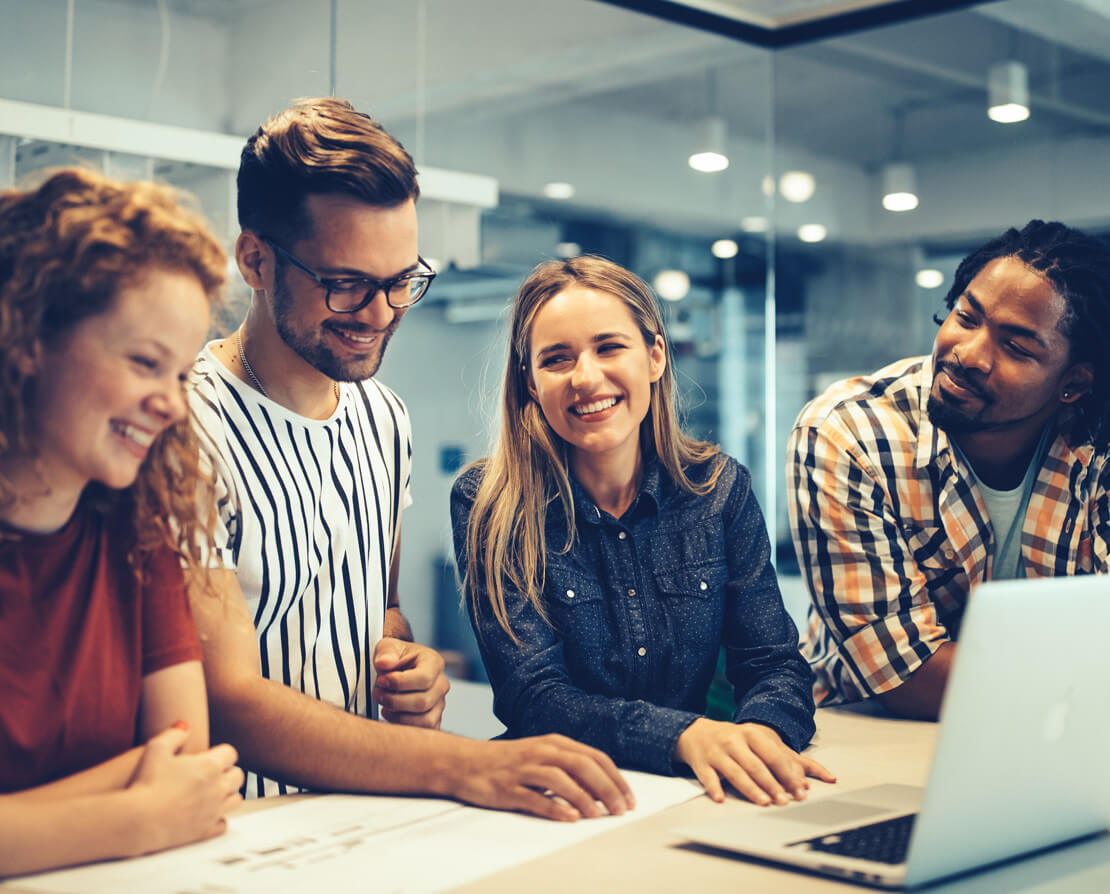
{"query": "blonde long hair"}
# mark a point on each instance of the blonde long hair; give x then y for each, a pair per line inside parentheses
(527, 469)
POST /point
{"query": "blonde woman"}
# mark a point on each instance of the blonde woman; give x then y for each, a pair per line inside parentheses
(104, 300)
(607, 556)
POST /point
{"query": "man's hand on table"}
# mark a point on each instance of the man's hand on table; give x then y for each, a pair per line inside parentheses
(550, 776)
(411, 687)
(749, 756)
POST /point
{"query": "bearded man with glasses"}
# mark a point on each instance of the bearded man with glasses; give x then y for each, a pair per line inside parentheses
(305, 646)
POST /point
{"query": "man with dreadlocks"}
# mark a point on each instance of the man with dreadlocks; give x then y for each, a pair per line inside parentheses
(988, 460)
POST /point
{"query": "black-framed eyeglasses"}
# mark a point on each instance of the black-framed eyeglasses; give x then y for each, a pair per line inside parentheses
(348, 294)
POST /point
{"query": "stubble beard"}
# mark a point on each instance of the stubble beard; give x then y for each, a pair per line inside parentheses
(315, 353)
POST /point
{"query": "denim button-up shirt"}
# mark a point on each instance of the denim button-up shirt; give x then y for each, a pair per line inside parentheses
(639, 608)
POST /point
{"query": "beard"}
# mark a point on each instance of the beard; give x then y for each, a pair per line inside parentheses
(947, 413)
(310, 347)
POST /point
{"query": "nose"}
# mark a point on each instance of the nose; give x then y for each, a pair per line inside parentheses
(378, 314)
(976, 351)
(169, 404)
(586, 373)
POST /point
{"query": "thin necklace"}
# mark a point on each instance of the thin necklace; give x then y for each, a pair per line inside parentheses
(251, 373)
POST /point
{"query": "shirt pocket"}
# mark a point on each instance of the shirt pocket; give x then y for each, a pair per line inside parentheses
(693, 600)
(576, 608)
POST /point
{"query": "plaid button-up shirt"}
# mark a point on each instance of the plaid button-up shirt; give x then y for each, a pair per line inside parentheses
(892, 534)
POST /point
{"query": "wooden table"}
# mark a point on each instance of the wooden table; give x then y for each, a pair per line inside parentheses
(862, 750)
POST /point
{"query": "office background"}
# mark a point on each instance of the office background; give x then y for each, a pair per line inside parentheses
(785, 270)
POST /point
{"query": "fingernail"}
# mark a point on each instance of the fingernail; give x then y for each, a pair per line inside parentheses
(181, 725)
(764, 800)
(631, 802)
(782, 798)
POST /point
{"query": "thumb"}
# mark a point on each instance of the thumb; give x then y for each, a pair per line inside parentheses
(390, 653)
(170, 741)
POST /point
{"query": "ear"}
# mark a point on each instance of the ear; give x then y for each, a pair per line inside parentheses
(251, 255)
(29, 362)
(1076, 382)
(657, 359)
(528, 381)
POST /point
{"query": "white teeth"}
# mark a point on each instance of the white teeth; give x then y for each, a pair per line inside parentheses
(365, 339)
(140, 436)
(596, 407)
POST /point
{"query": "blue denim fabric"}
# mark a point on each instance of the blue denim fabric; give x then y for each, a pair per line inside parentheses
(639, 608)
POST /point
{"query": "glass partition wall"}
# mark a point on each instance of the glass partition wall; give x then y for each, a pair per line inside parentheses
(548, 129)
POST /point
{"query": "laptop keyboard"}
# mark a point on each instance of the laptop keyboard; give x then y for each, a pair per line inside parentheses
(885, 842)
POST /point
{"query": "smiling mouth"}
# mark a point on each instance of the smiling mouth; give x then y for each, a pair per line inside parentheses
(133, 434)
(356, 338)
(960, 388)
(596, 407)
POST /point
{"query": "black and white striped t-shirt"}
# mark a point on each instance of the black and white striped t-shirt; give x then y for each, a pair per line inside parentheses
(309, 515)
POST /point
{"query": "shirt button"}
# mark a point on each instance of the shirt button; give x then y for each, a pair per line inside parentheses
(641, 651)
(631, 592)
(703, 586)
(622, 536)
(570, 594)
(948, 552)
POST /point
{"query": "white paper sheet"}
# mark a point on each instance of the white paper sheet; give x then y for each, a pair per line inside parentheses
(341, 843)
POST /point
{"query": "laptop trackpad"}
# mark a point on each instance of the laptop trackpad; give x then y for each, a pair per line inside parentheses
(829, 812)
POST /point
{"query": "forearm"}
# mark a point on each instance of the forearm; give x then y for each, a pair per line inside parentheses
(634, 733)
(112, 775)
(782, 701)
(293, 737)
(921, 696)
(39, 833)
(396, 625)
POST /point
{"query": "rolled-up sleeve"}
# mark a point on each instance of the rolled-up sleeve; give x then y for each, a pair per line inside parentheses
(872, 621)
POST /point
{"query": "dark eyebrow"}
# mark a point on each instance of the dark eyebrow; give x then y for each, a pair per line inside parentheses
(1020, 331)
(352, 273)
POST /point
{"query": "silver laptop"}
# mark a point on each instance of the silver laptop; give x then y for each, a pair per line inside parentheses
(1019, 762)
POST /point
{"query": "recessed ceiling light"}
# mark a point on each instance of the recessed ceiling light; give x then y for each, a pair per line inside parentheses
(812, 232)
(929, 278)
(754, 224)
(568, 249)
(797, 186)
(724, 249)
(671, 285)
(557, 189)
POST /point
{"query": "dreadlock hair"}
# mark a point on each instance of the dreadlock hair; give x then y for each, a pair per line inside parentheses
(1078, 266)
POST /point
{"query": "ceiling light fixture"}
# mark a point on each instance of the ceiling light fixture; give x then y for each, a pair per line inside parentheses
(929, 278)
(1008, 92)
(558, 189)
(812, 232)
(899, 187)
(710, 156)
(754, 224)
(671, 285)
(797, 186)
(725, 249)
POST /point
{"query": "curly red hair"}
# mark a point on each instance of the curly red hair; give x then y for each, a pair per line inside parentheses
(66, 249)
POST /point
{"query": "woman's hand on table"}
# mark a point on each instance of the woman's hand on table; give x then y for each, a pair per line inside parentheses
(749, 756)
(188, 796)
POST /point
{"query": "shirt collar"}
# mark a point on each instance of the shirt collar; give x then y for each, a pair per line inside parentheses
(647, 502)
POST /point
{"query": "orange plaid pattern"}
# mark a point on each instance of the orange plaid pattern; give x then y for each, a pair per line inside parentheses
(891, 534)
